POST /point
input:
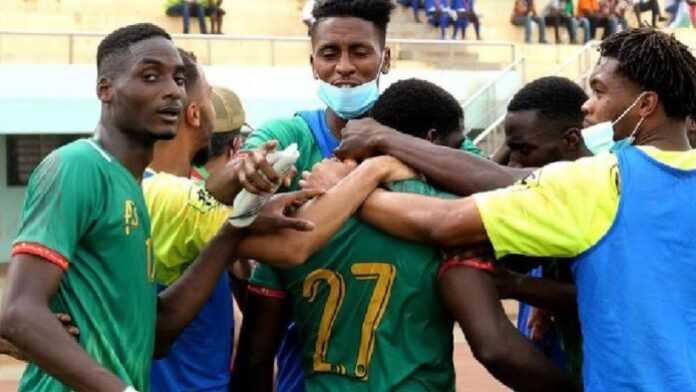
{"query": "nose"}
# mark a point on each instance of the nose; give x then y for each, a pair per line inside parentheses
(587, 106)
(175, 92)
(345, 66)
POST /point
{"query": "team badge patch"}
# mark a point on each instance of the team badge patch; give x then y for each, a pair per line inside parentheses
(201, 200)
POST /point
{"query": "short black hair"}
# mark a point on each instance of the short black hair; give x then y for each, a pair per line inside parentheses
(118, 41)
(220, 141)
(657, 62)
(375, 11)
(415, 106)
(558, 100)
(190, 68)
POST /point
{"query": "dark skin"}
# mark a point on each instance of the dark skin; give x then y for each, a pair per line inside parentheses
(345, 51)
(449, 169)
(472, 296)
(141, 100)
(141, 103)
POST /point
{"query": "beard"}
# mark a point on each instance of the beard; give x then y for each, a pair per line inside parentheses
(202, 157)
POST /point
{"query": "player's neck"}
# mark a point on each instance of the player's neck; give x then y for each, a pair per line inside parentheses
(335, 123)
(668, 136)
(134, 152)
(171, 157)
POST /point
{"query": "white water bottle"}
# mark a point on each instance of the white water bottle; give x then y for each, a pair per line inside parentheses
(247, 205)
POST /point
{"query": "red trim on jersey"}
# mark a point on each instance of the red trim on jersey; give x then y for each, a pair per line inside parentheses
(267, 292)
(472, 262)
(44, 252)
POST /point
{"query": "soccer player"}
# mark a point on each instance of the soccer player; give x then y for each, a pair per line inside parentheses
(625, 217)
(84, 244)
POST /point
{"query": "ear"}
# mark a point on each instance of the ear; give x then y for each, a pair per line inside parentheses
(236, 145)
(386, 67)
(432, 135)
(649, 104)
(105, 89)
(193, 115)
(572, 138)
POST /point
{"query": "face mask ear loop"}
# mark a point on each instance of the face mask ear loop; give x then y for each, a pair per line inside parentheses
(628, 109)
(632, 137)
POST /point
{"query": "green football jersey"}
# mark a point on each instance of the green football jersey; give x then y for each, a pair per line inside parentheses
(85, 213)
(365, 305)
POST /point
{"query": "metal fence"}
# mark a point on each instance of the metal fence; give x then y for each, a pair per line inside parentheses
(577, 68)
(78, 47)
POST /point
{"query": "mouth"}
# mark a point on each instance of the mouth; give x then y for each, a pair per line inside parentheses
(170, 114)
(345, 84)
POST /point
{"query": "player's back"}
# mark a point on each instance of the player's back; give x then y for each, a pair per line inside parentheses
(368, 314)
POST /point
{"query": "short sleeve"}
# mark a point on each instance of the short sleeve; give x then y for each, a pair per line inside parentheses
(560, 210)
(265, 280)
(184, 219)
(281, 130)
(470, 147)
(60, 205)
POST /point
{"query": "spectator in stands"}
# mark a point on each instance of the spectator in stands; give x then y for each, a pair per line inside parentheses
(598, 17)
(617, 8)
(560, 12)
(523, 14)
(432, 11)
(465, 14)
(216, 13)
(640, 6)
(416, 5)
(184, 8)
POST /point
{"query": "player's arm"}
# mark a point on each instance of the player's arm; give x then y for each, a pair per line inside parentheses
(328, 212)
(548, 294)
(179, 303)
(265, 321)
(442, 222)
(449, 169)
(472, 298)
(28, 323)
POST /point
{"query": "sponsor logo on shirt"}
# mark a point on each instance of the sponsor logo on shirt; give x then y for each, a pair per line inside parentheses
(130, 217)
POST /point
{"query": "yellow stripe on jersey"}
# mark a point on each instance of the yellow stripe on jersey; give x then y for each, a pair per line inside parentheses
(563, 209)
(184, 218)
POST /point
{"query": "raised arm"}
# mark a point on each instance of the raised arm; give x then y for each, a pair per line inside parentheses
(179, 303)
(28, 323)
(449, 169)
(328, 212)
(441, 222)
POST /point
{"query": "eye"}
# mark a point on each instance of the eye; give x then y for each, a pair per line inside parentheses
(150, 77)
(180, 80)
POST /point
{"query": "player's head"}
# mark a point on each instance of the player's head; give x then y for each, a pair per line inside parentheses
(348, 41)
(421, 109)
(543, 122)
(646, 73)
(230, 127)
(196, 125)
(140, 81)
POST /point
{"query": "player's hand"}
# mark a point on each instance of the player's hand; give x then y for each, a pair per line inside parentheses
(360, 139)
(255, 174)
(278, 213)
(539, 324)
(10, 349)
(326, 174)
(247, 170)
(394, 169)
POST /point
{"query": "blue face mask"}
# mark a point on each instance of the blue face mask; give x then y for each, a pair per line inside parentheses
(350, 102)
(599, 138)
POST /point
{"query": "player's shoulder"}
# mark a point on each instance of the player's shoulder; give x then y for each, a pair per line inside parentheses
(75, 158)
(586, 171)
